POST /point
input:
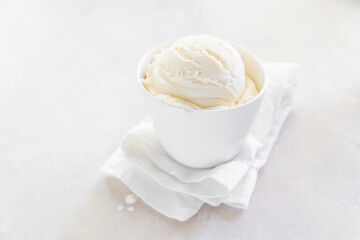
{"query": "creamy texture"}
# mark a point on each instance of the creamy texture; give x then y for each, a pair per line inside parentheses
(199, 72)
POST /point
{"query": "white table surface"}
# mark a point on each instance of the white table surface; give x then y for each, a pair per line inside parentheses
(68, 94)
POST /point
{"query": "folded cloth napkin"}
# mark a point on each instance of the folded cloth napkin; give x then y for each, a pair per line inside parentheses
(178, 191)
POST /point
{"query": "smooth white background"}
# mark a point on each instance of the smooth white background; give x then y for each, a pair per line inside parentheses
(68, 93)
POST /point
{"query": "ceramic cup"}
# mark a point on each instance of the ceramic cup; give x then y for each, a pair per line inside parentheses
(203, 138)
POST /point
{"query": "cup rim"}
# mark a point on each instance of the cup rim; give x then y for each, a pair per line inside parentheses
(161, 45)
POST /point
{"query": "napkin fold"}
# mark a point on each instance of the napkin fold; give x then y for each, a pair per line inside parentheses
(178, 191)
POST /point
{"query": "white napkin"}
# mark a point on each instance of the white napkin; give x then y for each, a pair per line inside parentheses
(178, 191)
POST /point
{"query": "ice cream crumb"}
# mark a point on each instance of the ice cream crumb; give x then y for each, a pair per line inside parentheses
(121, 206)
(131, 199)
(131, 209)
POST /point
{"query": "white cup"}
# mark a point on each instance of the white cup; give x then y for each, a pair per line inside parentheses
(203, 138)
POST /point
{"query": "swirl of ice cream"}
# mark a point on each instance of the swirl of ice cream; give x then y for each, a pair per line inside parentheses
(199, 72)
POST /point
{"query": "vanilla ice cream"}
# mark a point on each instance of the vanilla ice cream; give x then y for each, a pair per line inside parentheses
(199, 72)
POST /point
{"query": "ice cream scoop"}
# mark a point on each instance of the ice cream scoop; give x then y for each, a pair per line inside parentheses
(199, 72)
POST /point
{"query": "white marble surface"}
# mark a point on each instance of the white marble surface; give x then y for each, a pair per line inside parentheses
(68, 94)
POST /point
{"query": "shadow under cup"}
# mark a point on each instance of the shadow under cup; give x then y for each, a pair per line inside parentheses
(203, 138)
